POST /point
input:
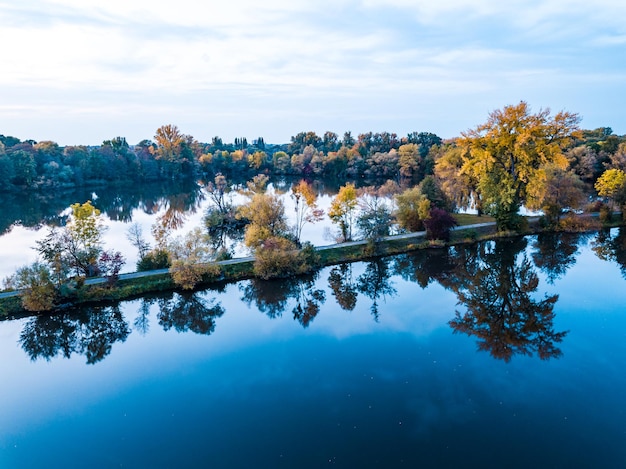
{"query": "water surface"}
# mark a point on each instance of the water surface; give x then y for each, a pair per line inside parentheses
(503, 354)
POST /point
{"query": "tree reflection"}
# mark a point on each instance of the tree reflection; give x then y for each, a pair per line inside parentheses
(142, 321)
(36, 209)
(189, 312)
(555, 253)
(425, 266)
(375, 283)
(91, 333)
(495, 284)
(271, 297)
(343, 286)
(611, 247)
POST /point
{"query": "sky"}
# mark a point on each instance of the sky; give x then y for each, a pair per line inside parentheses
(80, 71)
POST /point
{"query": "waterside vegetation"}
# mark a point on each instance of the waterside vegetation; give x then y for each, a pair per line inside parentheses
(516, 159)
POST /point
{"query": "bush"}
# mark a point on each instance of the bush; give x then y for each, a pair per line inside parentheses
(155, 259)
(438, 224)
(38, 291)
(606, 214)
(575, 224)
(278, 258)
(187, 275)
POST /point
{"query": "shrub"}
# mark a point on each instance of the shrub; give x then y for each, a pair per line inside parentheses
(438, 224)
(153, 260)
(278, 258)
(38, 291)
(575, 224)
(187, 275)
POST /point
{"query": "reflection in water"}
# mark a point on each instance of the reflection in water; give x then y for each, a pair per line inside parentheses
(272, 296)
(611, 247)
(343, 287)
(424, 267)
(189, 312)
(91, 333)
(555, 253)
(142, 321)
(495, 284)
(35, 209)
(375, 283)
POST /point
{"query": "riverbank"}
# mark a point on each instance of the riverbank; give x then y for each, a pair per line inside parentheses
(137, 284)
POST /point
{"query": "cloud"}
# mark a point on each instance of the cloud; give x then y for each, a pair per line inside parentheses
(367, 59)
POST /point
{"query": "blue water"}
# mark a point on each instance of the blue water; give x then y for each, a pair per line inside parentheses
(241, 377)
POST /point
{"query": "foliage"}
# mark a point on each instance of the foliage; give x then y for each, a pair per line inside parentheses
(554, 190)
(412, 208)
(154, 260)
(374, 220)
(191, 260)
(279, 258)
(612, 184)
(506, 153)
(438, 224)
(38, 292)
(77, 247)
(266, 213)
(110, 263)
(306, 210)
(342, 210)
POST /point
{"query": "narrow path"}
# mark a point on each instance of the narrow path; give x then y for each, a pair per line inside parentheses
(241, 260)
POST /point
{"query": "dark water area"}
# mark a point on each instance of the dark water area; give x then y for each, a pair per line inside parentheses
(499, 354)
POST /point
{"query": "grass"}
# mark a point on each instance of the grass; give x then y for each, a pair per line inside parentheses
(464, 219)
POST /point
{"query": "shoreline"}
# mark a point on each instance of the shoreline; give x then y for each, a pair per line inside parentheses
(134, 285)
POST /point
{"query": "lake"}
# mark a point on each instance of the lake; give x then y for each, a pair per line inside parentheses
(27, 218)
(501, 354)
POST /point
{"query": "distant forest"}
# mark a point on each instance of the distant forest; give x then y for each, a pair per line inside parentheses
(172, 155)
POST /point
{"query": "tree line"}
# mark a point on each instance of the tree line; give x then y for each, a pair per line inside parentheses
(517, 158)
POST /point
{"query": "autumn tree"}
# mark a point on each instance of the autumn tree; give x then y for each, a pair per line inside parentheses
(266, 213)
(37, 290)
(78, 246)
(506, 153)
(342, 210)
(409, 160)
(554, 190)
(191, 260)
(413, 208)
(306, 210)
(612, 185)
(460, 187)
(174, 149)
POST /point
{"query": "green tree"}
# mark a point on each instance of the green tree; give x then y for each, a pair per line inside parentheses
(78, 246)
(413, 208)
(506, 153)
(24, 168)
(409, 160)
(342, 210)
(374, 219)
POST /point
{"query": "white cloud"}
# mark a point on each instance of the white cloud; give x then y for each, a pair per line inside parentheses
(341, 61)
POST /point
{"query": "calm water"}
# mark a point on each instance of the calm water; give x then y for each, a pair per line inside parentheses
(506, 354)
(26, 218)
